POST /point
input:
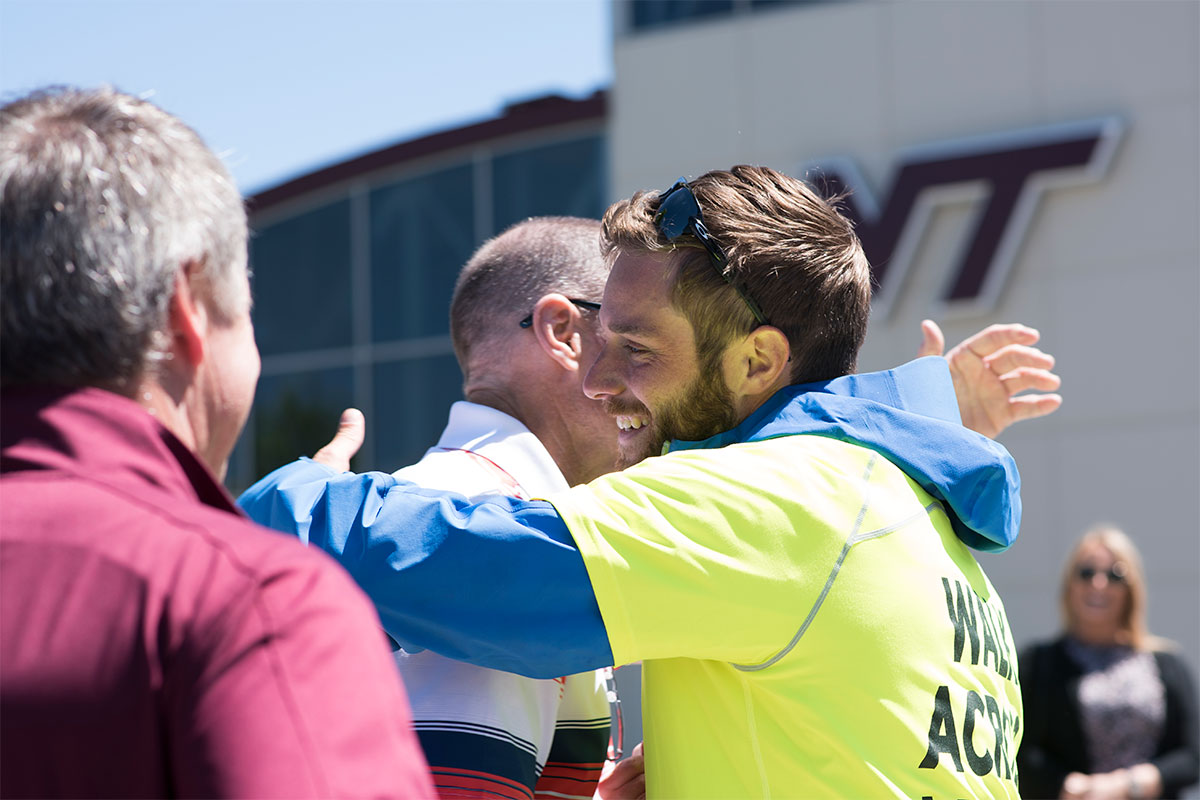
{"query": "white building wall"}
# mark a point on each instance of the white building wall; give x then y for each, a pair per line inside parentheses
(1108, 271)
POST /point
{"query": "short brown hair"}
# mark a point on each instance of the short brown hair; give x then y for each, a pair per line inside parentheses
(787, 247)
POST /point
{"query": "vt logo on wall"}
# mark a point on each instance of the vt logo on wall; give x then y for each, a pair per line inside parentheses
(1004, 174)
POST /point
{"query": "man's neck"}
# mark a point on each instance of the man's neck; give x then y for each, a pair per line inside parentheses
(176, 411)
(745, 405)
(494, 398)
(547, 421)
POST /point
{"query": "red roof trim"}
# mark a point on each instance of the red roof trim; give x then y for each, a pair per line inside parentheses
(541, 112)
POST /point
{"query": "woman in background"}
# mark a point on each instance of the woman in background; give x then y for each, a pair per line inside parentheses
(1110, 711)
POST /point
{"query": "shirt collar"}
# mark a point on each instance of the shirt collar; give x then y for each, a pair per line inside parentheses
(106, 437)
(504, 440)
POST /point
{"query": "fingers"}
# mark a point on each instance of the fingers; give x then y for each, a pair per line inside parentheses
(620, 786)
(933, 342)
(635, 789)
(1026, 379)
(626, 780)
(1076, 784)
(351, 432)
(994, 337)
(1016, 356)
(1032, 406)
(992, 368)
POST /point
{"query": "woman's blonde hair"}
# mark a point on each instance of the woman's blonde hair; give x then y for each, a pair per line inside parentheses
(1132, 625)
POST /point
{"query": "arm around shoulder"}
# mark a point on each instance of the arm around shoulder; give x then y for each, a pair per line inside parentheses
(500, 584)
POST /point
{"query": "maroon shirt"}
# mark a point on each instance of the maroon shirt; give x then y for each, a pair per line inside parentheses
(154, 642)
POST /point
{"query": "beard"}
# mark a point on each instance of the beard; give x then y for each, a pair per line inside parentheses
(703, 409)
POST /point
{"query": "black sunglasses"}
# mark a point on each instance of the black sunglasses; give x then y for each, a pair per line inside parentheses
(679, 213)
(1114, 574)
(528, 321)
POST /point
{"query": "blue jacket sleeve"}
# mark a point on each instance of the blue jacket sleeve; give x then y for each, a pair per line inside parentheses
(499, 584)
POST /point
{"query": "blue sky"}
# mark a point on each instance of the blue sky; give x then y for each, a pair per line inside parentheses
(279, 87)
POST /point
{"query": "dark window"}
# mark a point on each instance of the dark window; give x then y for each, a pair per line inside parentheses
(565, 178)
(302, 281)
(655, 14)
(241, 471)
(412, 401)
(649, 14)
(296, 413)
(422, 232)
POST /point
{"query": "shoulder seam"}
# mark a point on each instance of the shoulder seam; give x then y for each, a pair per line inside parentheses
(856, 537)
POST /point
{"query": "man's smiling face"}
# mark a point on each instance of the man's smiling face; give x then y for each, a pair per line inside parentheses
(647, 373)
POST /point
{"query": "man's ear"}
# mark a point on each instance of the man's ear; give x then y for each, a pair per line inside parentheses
(187, 319)
(757, 365)
(556, 326)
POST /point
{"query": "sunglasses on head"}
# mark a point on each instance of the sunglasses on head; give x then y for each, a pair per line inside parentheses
(528, 321)
(1114, 574)
(679, 213)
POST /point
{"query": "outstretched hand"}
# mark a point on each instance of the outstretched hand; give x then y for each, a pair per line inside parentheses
(351, 432)
(991, 369)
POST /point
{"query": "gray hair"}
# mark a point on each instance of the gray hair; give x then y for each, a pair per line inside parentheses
(103, 198)
(509, 273)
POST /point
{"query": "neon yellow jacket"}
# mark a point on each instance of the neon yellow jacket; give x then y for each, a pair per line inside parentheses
(808, 622)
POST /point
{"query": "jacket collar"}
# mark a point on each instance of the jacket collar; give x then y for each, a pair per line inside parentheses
(910, 416)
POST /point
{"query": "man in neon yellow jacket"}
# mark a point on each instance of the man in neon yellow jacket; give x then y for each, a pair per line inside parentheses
(793, 571)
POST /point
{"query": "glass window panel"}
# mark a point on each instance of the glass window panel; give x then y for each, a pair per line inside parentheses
(296, 413)
(658, 13)
(422, 232)
(766, 4)
(412, 402)
(241, 465)
(564, 178)
(302, 281)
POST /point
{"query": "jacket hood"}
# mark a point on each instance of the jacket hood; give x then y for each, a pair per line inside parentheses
(909, 415)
